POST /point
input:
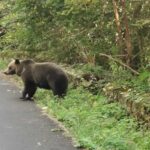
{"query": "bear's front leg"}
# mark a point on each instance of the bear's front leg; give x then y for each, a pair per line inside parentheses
(29, 91)
(24, 93)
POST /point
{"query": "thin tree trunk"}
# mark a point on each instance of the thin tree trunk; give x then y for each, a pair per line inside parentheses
(117, 20)
(127, 35)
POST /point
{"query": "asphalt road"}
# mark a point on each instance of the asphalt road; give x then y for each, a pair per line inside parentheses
(24, 127)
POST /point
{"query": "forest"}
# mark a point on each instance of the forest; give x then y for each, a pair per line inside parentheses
(104, 47)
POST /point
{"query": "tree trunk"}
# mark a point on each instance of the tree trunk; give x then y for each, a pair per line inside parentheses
(127, 36)
(117, 20)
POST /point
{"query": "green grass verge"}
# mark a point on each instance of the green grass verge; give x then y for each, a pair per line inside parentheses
(3, 64)
(95, 124)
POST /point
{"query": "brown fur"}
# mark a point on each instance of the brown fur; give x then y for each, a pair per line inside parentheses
(44, 75)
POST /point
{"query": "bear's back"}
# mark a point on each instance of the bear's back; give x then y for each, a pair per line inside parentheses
(46, 71)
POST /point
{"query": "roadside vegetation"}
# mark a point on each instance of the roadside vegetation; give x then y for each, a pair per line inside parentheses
(94, 123)
(104, 44)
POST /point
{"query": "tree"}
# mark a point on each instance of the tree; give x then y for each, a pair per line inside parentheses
(124, 40)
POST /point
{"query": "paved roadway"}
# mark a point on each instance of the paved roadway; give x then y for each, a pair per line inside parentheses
(22, 125)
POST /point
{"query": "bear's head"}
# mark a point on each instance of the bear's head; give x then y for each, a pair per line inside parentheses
(13, 67)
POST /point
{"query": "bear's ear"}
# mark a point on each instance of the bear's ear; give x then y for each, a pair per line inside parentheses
(17, 61)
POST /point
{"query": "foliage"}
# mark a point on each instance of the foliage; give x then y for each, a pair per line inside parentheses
(122, 77)
(71, 31)
(142, 82)
(3, 65)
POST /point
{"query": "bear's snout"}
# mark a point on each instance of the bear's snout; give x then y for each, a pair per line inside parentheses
(9, 72)
(5, 72)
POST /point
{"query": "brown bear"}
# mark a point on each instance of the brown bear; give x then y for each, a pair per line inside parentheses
(43, 75)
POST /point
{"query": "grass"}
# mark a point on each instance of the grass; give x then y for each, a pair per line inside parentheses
(3, 64)
(95, 124)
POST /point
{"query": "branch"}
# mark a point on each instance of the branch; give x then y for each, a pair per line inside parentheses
(119, 62)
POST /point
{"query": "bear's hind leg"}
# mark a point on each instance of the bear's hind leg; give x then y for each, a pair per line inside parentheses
(59, 90)
(52, 87)
(61, 86)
